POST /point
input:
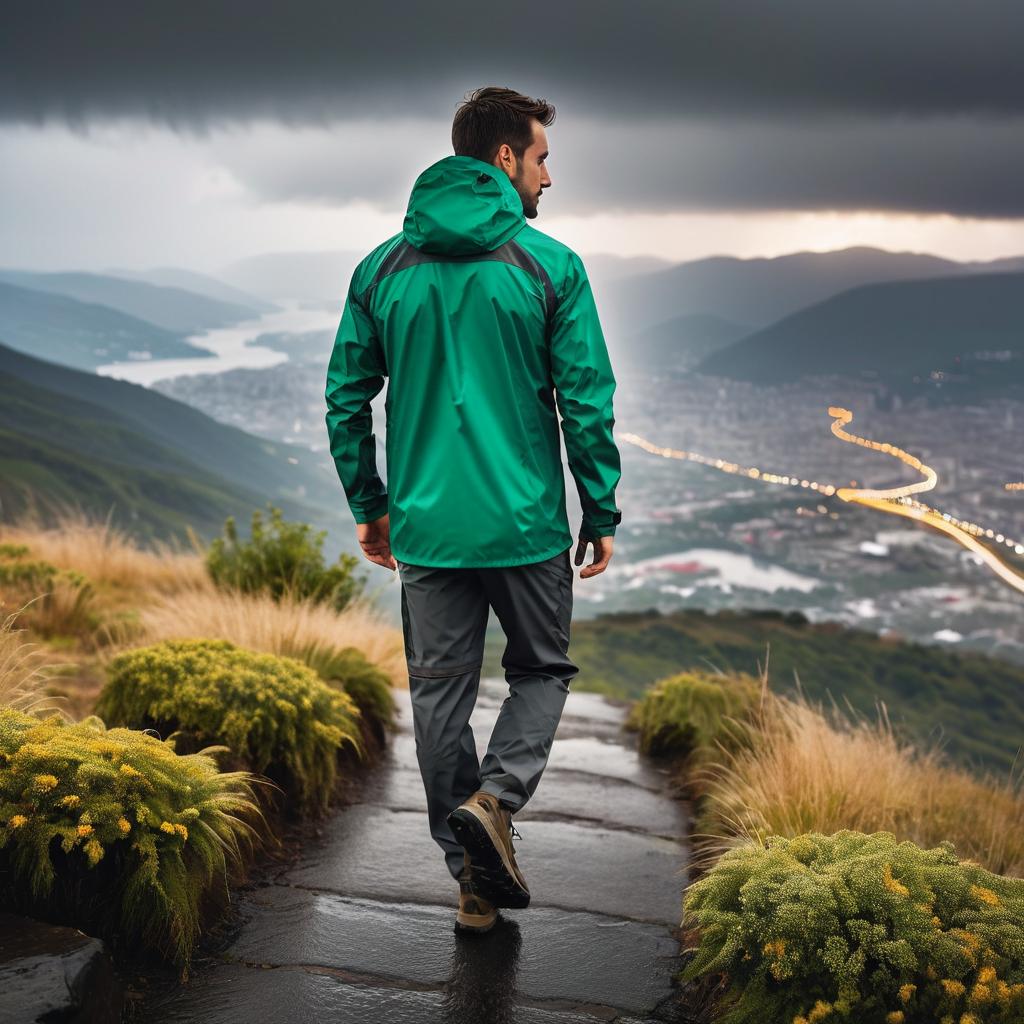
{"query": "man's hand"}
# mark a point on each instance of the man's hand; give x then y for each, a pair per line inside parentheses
(375, 540)
(602, 555)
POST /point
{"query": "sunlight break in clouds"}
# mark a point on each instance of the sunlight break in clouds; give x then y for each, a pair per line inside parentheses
(126, 193)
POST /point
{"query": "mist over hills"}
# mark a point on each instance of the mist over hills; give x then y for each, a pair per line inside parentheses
(171, 308)
(316, 277)
(82, 334)
(677, 344)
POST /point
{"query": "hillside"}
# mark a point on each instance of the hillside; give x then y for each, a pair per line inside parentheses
(174, 309)
(59, 450)
(82, 334)
(970, 701)
(100, 441)
(897, 330)
(758, 291)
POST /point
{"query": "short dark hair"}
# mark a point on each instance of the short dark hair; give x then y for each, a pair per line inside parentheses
(492, 115)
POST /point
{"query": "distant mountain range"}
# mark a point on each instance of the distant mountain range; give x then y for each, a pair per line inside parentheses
(104, 443)
(761, 291)
(82, 334)
(896, 331)
(172, 308)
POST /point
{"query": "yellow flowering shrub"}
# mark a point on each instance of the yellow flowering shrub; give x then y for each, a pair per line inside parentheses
(842, 927)
(83, 840)
(274, 712)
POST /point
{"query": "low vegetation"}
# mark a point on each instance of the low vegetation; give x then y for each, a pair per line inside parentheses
(696, 714)
(972, 701)
(113, 831)
(274, 713)
(151, 714)
(282, 558)
(844, 873)
(859, 928)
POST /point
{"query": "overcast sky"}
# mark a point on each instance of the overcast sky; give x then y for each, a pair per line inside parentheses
(143, 134)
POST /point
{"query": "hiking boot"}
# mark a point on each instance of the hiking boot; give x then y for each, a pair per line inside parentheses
(482, 825)
(475, 914)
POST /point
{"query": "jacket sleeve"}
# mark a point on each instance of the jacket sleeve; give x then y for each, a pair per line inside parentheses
(355, 375)
(584, 385)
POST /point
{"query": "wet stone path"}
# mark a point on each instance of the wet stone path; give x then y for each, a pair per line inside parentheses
(360, 928)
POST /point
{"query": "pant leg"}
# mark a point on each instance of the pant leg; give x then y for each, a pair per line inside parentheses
(534, 606)
(444, 619)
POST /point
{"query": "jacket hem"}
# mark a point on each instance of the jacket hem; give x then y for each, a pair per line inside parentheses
(557, 549)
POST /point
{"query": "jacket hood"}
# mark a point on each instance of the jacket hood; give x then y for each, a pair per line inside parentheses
(461, 205)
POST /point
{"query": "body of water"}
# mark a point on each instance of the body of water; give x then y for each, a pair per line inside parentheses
(711, 567)
(232, 347)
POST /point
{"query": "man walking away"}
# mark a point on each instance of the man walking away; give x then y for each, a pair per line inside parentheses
(488, 332)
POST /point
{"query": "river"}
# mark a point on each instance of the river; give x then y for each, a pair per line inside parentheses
(231, 346)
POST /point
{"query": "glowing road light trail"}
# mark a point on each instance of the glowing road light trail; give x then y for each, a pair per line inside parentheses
(840, 418)
(895, 500)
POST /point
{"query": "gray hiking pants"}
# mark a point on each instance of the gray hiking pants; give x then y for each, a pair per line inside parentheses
(444, 618)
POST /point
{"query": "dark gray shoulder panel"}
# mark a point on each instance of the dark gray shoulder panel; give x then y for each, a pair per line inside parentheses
(405, 255)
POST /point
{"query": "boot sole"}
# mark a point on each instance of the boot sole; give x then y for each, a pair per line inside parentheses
(475, 922)
(492, 871)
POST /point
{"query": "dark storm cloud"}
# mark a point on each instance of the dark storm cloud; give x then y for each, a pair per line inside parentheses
(321, 58)
(716, 104)
(971, 167)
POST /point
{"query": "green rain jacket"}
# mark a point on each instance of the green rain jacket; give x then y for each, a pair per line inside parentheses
(482, 325)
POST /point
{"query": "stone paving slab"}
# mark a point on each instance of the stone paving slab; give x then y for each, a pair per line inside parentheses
(54, 973)
(373, 852)
(361, 928)
(234, 994)
(604, 758)
(608, 758)
(613, 803)
(620, 964)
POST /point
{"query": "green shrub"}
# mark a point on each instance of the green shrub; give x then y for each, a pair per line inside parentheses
(110, 829)
(689, 714)
(274, 712)
(282, 558)
(859, 928)
(367, 685)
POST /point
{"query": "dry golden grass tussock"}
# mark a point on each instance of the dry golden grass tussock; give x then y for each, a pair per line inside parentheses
(808, 772)
(25, 672)
(107, 555)
(289, 626)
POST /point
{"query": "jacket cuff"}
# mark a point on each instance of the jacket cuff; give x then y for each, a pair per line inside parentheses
(370, 511)
(600, 524)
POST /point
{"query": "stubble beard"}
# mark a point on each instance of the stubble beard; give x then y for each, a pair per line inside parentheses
(528, 199)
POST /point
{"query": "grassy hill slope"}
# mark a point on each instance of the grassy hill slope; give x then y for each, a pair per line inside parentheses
(60, 450)
(969, 700)
(237, 457)
(72, 436)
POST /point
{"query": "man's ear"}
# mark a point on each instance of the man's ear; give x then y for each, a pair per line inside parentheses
(509, 170)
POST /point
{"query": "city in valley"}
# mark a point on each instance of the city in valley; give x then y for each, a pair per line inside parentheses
(705, 532)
